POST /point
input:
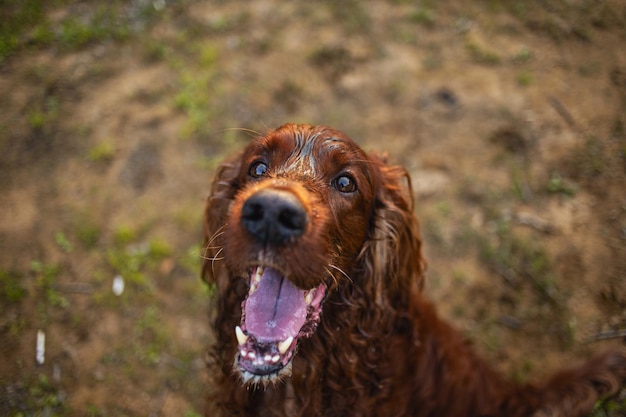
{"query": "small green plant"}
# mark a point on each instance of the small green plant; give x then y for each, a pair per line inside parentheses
(129, 264)
(46, 276)
(481, 54)
(87, 232)
(124, 235)
(17, 18)
(557, 185)
(610, 407)
(41, 397)
(524, 78)
(105, 24)
(159, 249)
(132, 261)
(103, 151)
(62, 242)
(150, 336)
(42, 115)
(37, 119)
(423, 16)
(11, 290)
(192, 258)
(94, 411)
(520, 260)
(523, 55)
(194, 100)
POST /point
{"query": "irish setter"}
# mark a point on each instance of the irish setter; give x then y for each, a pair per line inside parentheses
(315, 254)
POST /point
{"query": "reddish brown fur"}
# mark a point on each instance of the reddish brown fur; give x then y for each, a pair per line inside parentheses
(380, 349)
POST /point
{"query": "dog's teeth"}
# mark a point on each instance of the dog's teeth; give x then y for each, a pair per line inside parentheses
(275, 358)
(308, 297)
(241, 337)
(267, 358)
(251, 355)
(258, 274)
(284, 345)
(256, 279)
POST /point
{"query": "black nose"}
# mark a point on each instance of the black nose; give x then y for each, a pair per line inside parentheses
(274, 216)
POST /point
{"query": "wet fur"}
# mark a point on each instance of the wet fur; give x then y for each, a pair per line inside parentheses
(380, 349)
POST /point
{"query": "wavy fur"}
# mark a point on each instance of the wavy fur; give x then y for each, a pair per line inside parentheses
(380, 348)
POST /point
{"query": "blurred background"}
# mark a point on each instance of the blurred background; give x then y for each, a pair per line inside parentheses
(510, 117)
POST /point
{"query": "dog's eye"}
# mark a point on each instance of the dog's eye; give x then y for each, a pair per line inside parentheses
(257, 169)
(345, 184)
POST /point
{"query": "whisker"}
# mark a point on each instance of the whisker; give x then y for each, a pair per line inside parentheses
(217, 233)
(208, 246)
(250, 132)
(342, 273)
(216, 258)
(206, 257)
(330, 274)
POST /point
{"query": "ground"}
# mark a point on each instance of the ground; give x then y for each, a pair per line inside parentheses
(510, 117)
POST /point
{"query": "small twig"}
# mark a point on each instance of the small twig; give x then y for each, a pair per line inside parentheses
(535, 222)
(610, 334)
(75, 287)
(562, 111)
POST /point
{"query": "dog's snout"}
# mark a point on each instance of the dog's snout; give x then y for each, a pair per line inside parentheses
(274, 216)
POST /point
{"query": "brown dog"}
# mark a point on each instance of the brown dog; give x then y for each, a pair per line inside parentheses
(315, 252)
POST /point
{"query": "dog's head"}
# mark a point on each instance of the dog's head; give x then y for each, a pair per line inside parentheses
(299, 213)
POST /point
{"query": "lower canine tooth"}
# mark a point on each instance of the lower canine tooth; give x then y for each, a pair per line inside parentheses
(308, 297)
(241, 337)
(284, 345)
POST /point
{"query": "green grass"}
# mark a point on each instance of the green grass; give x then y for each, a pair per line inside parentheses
(46, 276)
(16, 17)
(130, 265)
(132, 261)
(26, 24)
(11, 289)
(519, 260)
(124, 235)
(523, 55)
(194, 99)
(481, 54)
(41, 116)
(558, 185)
(63, 242)
(610, 407)
(87, 230)
(38, 396)
(423, 16)
(150, 337)
(524, 78)
(103, 151)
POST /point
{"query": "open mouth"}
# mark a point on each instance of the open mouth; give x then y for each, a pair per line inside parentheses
(275, 315)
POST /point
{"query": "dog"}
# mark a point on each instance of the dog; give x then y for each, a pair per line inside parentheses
(315, 254)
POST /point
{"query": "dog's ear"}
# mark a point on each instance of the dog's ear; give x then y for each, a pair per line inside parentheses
(223, 191)
(393, 254)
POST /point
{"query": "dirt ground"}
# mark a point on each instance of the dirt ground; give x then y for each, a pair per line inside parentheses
(510, 116)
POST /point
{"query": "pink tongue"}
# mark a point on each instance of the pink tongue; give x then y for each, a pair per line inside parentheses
(276, 310)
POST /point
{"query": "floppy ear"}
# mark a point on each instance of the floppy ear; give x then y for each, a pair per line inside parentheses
(393, 255)
(223, 190)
